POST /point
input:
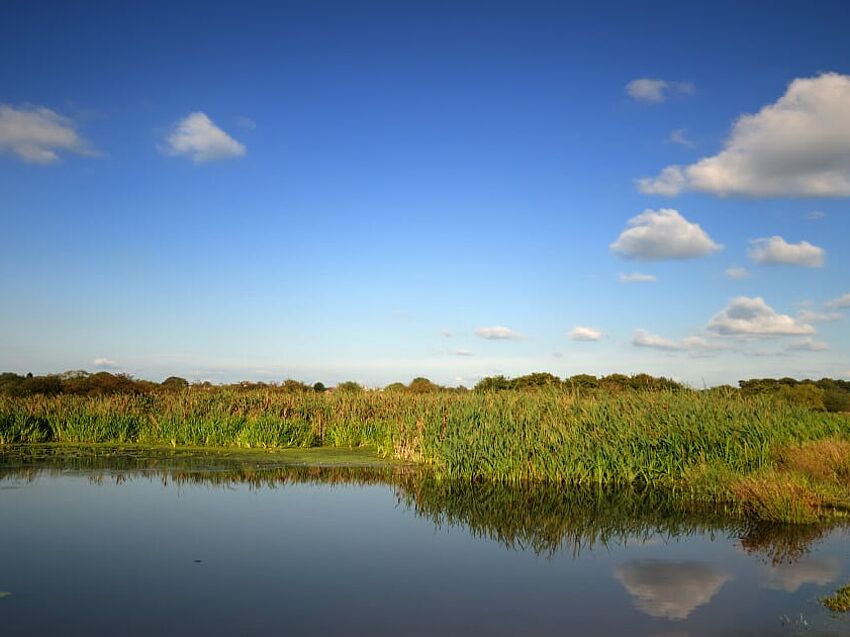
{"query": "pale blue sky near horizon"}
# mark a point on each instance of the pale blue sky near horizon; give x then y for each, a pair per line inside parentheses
(374, 186)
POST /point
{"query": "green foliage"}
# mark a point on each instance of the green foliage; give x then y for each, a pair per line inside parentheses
(492, 383)
(422, 385)
(535, 381)
(349, 387)
(803, 394)
(582, 381)
(291, 385)
(827, 393)
(319, 387)
(836, 400)
(174, 383)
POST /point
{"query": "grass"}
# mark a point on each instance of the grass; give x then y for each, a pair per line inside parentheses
(839, 602)
(755, 455)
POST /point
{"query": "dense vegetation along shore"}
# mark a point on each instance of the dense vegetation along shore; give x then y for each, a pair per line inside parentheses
(770, 455)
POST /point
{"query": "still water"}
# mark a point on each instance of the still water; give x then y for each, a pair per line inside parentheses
(157, 545)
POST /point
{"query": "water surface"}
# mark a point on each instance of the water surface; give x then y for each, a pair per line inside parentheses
(170, 544)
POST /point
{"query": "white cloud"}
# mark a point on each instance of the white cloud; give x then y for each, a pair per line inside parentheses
(36, 134)
(798, 146)
(792, 575)
(498, 333)
(462, 352)
(745, 316)
(842, 301)
(815, 215)
(735, 272)
(581, 333)
(775, 250)
(679, 136)
(669, 589)
(663, 234)
(655, 91)
(637, 277)
(811, 316)
(446, 333)
(642, 338)
(104, 363)
(808, 345)
(197, 137)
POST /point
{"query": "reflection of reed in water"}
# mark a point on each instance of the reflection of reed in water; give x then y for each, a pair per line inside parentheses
(539, 517)
(546, 519)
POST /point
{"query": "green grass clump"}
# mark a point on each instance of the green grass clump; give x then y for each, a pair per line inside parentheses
(839, 602)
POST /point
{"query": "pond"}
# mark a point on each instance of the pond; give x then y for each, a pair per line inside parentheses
(156, 543)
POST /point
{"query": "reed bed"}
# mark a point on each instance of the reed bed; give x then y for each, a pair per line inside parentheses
(553, 435)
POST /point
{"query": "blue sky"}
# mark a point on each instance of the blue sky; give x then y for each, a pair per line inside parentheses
(383, 190)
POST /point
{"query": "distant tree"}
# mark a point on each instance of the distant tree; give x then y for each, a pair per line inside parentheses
(615, 382)
(174, 383)
(836, 400)
(43, 385)
(493, 383)
(319, 387)
(802, 394)
(9, 383)
(582, 381)
(396, 387)
(349, 386)
(294, 386)
(422, 385)
(535, 381)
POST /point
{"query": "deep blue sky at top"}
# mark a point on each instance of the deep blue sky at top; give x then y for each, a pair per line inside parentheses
(413, 168)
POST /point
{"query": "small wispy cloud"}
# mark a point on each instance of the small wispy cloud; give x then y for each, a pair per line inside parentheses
(815, 215)
(808, 345)
(736, 272)
(498, 333)
(812, 316)
(197, 137)
(654, 91)
(446, 333)
(462, 352)
(776, 251)
(680, 137)
(842, 301)
(642, 338)
(104, 363)
(246, 123)
(584, 333)
(37, 134)
(637, 277)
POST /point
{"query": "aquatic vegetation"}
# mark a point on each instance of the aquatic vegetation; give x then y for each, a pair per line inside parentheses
(839, 602)
(540, 517)
(759, 457)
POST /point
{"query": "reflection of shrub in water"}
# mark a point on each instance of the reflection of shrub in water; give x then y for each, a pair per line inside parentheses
(782, 543)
